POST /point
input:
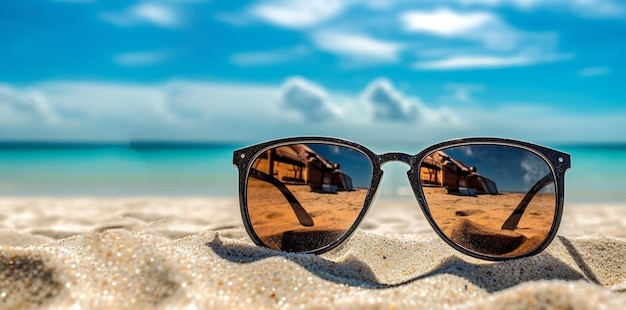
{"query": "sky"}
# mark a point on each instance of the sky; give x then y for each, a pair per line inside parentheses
(511, 169)
(368, 70)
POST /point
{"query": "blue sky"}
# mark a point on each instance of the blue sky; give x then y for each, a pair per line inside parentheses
(545, 71)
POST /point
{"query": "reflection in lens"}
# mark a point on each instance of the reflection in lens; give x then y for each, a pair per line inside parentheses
(303, 197)
(491, 199)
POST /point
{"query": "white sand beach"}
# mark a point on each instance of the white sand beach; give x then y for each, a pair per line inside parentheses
(192, 253)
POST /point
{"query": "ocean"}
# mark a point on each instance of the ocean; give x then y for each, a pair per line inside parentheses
(598, 173)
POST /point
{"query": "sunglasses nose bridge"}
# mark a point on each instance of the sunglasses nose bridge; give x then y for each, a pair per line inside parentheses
(402, 157)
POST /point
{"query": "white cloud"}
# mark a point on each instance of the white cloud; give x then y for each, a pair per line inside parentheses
(534, 169)
(94, 102)
(145, 58)
(356, 46)
(270, 57)
(306, 98)
(204, 110)
(481, 27)
(201, 104)
(25, 105)
(389, 104)
(217, 111)
(541, 123)
(297, 14)
(467, 150)
(115, 111)
(156, 14)
(477, 40)
(446, 22)
(455, 33)
(594, 71)
(152, 13)
(487, 61)
(473, 62)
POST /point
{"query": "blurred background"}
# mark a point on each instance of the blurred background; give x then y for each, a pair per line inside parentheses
(151, 97)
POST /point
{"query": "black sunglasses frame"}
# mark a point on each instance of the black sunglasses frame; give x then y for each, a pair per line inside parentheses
(558, 162)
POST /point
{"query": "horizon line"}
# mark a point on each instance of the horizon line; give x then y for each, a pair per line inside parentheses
(147, 143)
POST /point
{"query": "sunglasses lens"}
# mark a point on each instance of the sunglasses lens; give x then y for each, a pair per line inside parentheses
(304, 197)
(492, 200)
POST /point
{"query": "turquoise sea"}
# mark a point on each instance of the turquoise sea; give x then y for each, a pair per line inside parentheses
(598, 173)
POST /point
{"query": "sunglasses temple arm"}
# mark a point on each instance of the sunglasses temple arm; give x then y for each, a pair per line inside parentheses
(303, 217)
(515, 217)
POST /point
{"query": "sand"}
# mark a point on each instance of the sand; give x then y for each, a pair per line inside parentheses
(307, 223)
(192, 253)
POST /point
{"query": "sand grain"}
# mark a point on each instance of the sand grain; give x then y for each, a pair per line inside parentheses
(193, 253)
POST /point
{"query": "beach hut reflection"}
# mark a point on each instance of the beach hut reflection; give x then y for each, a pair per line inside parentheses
(439, 169)
(298, 164)
(298, 198)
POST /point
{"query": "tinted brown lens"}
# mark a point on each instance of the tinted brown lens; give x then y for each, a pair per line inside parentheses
(303, 197)
(490, 199)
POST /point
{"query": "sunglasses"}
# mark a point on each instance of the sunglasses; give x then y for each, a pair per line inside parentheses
(489, 198)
